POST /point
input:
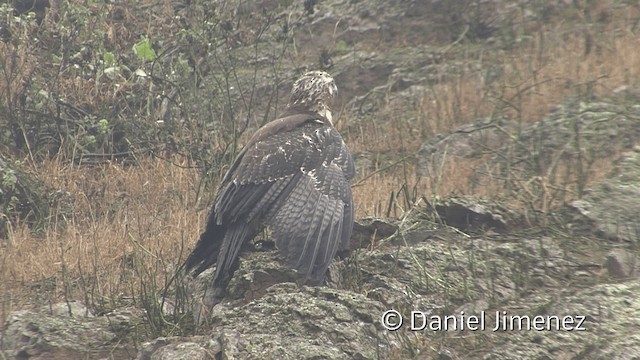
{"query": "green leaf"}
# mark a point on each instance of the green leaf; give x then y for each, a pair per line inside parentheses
(109, 58)
(144, 50)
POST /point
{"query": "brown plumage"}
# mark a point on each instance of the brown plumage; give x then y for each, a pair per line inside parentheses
(293, 176)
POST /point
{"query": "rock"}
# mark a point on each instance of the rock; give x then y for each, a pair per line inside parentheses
(611, 327)
(467, 213)
(186, 348)
(51, 333)
(572, 132)
(613, 207)
(72, 309)
(622, 263)
(125, 321)
(302, 323)
(369, 231)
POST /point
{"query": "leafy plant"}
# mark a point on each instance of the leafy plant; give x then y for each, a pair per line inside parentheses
(144, 50)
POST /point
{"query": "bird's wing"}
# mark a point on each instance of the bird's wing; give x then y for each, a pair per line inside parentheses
(314, 221)
(246, 193)
(297, 181)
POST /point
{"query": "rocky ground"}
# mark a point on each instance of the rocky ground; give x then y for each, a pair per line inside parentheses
(572, 268)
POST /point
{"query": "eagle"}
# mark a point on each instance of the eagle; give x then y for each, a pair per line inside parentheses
(293, 176)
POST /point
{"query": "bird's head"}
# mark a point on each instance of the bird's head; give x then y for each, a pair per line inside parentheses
(314, 91)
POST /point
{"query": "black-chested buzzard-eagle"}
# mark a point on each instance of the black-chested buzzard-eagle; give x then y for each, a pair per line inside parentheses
(293, 176)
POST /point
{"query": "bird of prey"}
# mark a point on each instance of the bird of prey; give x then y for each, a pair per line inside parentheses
(292, 176)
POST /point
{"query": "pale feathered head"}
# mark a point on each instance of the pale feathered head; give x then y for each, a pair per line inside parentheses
(314, 91)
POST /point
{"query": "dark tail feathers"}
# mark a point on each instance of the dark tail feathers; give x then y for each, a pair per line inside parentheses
(205, 254)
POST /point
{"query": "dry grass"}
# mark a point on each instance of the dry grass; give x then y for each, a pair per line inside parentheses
(147, 212)
(120, 211)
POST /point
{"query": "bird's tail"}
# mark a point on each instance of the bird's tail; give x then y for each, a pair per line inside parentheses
(227, 261)
(220, 245)
(205, 254)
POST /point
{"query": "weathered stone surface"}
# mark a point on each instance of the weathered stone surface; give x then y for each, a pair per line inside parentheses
(611, 326)
(62, 331)
(301, 323)
(622, 263)
(587, 129)
(192, 348)
(614, 205)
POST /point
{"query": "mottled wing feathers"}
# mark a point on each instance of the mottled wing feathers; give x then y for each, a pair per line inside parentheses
(310, 226)
(296, 181)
